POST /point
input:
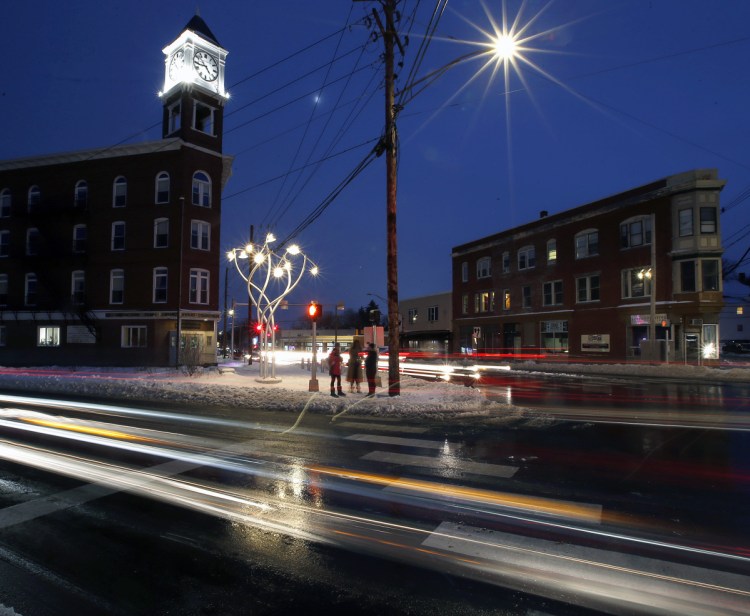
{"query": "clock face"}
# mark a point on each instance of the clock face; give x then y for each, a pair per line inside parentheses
(205, 65)
(175, 65)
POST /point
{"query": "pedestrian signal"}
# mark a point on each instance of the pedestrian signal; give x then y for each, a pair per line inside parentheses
(314, 309)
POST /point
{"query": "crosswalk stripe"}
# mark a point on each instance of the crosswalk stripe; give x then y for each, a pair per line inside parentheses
(395, 440)
(466, 466)
(383, 427)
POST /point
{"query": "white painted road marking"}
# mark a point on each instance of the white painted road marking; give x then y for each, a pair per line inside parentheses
(462, 466)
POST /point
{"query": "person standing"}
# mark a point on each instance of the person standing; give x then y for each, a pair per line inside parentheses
(354, 366)
(371, 368)
(334, 369)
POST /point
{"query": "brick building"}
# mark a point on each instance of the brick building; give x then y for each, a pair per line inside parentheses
(580, 282)
(109, 256)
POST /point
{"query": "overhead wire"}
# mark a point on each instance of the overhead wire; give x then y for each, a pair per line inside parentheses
(293, 161)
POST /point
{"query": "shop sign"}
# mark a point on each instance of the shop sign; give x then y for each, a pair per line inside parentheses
(595, 343)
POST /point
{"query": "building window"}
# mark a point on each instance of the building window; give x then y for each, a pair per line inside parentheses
(686, 222)
(708, 220)
(201, 189)
(588, 288)
(710, 271)
(587, 244)
(687, 276)
(120, 192)
(30, 290)
(133, 336)
(412, 315)
(551, 252)
(484, 301)
(198, 286)
(160, 285)
(162, 187)
(506, 299)
(81, 194)
(635, 232)
(118, 235)
(636, 282)
(2, 336)
(484, 267)
(80, 237)
(464, 272)
(117, 286)
(32, 242)
(203, 119)
(3, 289)
(4, 243)
(48, 336)
(526, 258)
(553, 293)
(432, 314)
(506, 262)
(526, 296)
(78, 287)
(34, 198)
(5, 203)
(200, 235)
(175, 118)
(161, 233)
(465, 303)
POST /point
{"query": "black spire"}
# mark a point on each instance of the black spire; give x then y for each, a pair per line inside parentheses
(197, 25)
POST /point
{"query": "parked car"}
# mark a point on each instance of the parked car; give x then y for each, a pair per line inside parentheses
(735, 346)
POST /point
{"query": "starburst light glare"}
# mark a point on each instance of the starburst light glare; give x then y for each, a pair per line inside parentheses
(293, 249)
(505, 47)
(270, 238)
(314, 271)
(259, 257)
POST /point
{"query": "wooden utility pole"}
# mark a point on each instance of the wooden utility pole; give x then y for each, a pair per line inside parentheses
(390, 142)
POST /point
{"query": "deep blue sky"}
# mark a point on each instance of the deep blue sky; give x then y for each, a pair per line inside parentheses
(639, 89)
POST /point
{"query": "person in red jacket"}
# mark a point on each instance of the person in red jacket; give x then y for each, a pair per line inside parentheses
(334, 369)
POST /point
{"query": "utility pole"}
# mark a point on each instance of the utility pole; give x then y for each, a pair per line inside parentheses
(250, 312)
(224, 331)
(390, 38)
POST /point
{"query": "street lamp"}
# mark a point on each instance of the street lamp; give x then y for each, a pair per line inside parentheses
(271, 277)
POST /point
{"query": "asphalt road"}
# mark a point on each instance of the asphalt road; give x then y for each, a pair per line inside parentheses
(202, 511)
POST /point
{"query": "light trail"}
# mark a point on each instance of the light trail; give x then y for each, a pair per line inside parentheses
(474, 552)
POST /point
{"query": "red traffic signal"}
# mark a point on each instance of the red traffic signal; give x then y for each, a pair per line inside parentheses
(314, 310)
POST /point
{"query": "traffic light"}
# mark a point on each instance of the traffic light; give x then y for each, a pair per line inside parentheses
(258, 327)
(314, 310)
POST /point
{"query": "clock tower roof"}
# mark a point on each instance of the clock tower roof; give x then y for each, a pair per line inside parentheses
(197, 25)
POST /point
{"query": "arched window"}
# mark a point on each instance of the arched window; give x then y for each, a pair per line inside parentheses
(81, 194)
(162, 187)
(587, 243)
(635, 231)
(201, 189)
(120, 192)
(5, 203)
(34, 198)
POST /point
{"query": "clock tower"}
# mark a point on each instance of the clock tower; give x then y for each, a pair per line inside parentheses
(194, 93)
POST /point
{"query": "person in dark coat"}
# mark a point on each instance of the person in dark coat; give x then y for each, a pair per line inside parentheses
(334, 369)
(371, 369)
(354, 367)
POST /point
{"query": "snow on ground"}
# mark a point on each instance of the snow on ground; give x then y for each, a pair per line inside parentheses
(234, 384)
